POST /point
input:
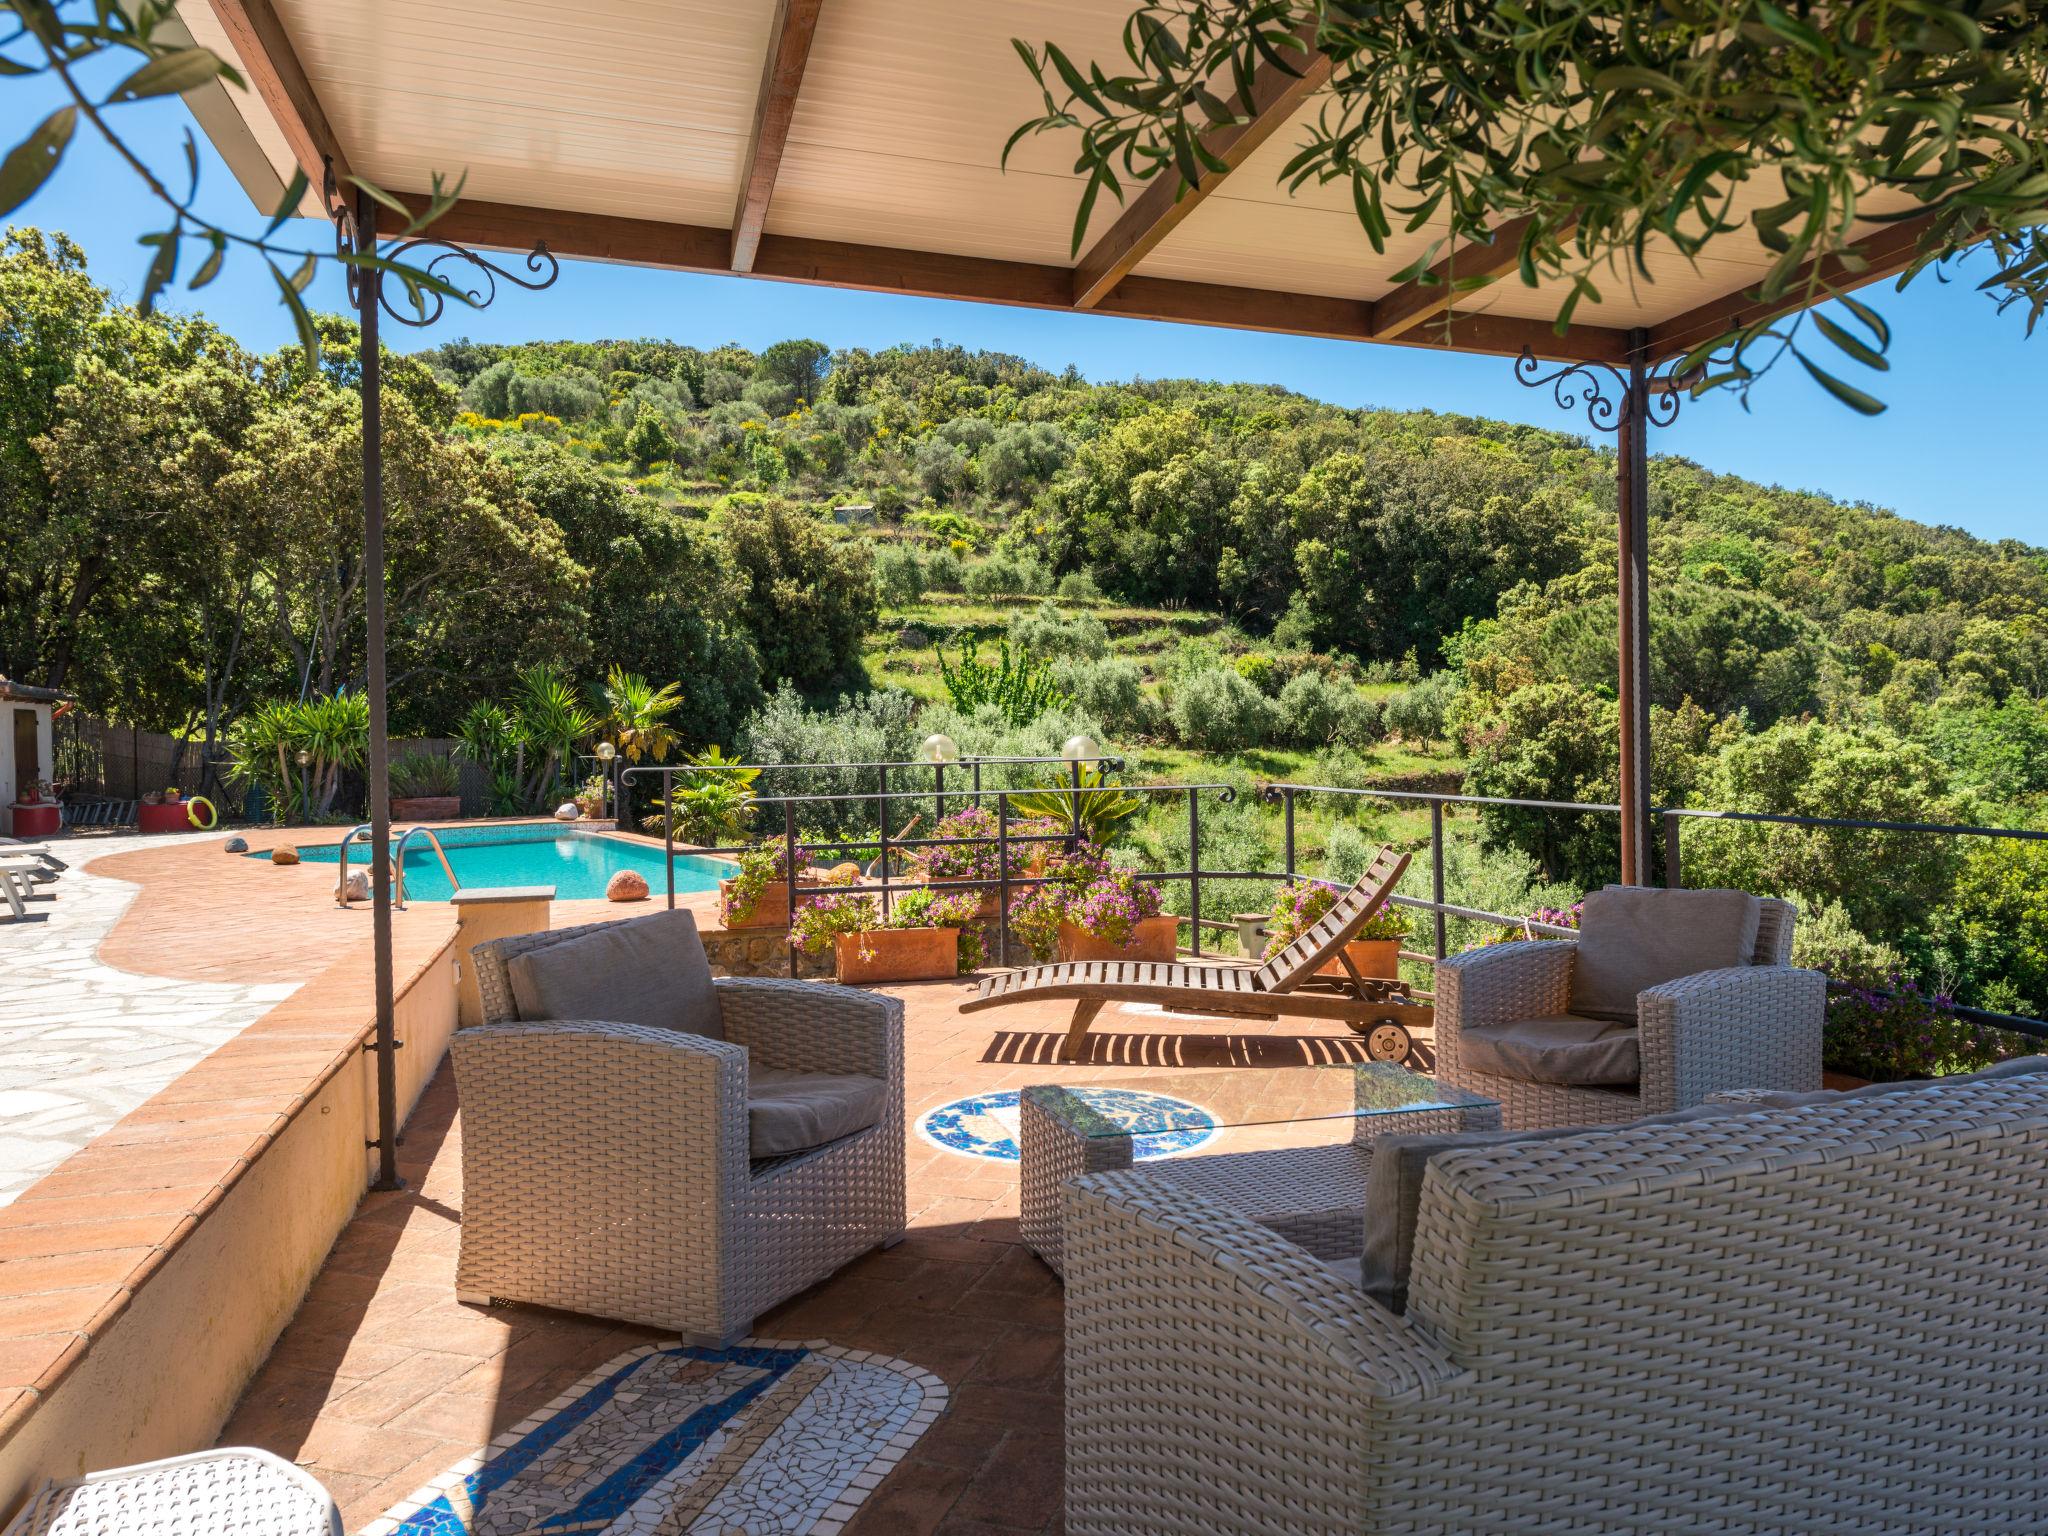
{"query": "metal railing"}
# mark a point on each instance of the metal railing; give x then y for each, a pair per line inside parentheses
(362, 833)
(1671, 819)
(1287, 796)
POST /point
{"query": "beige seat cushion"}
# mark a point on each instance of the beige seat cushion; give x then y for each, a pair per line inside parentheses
(1563, 1048)
(795, 1111)
(650, 971)
(1393, 1188)
(1632, 938)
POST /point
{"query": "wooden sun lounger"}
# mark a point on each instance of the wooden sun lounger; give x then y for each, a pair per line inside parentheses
(1266, 991)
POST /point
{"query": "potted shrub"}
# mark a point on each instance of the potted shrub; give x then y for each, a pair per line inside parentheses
(758, 896)
(1375, 950)
(1902, 1033)
(979, 859)
(590, 797)
(1088, 910)
(925, 937)
(425, 786)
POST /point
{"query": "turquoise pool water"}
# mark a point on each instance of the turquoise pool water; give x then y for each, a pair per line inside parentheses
(576, 864)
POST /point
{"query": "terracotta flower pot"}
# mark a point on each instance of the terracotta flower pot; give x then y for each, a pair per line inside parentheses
(896, 954)
(1379, 958)
(426, 807)
(771, 907)
(1155, 939)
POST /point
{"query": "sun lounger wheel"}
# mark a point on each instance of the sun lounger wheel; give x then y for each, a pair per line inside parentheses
(1388, 1042)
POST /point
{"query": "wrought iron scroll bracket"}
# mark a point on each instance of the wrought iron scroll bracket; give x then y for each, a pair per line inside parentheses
(1603, 391)
(453, 268)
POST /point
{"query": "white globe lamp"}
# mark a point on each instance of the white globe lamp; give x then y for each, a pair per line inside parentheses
(940, 749)
(1080, 749)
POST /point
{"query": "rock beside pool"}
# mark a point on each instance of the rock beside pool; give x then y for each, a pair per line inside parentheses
(568, 810)
(359, 885)
(284, 855)
(626, 885)
(236, 845)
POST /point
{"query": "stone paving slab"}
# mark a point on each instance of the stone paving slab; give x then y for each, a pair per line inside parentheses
(82, 1042)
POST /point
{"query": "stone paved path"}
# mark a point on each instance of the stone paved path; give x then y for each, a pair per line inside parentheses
(81, 1043)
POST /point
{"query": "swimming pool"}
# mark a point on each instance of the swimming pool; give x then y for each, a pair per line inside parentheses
(576, 863)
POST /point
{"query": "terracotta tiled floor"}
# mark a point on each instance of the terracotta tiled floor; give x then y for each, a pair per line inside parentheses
(383, 1379)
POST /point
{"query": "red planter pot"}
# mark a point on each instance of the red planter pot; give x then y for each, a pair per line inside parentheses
(41, 819)
(172, 816)
(896, 954)
(1155, 938)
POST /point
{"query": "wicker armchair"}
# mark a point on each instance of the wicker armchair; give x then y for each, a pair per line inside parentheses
(1815, 1320)
(1752, 1026)
(606, 1166)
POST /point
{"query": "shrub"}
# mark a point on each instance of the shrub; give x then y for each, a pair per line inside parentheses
(1007, 573)
(866, 728)
(1909, 1034)
(1048, 633)
(1078, 586)
(943, 571)
(1218, 711)
(1826, 940)
(1257, 668)
(1421, 713)
(820, 919)
(899, 575)
(1112, 690)
(1312, 710)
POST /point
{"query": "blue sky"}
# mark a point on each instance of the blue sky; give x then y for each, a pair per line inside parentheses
(1961, 443)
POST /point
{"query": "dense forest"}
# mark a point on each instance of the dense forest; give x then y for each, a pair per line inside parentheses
(1225, 580)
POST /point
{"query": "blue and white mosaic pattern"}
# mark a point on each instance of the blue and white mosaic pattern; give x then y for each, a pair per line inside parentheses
(986, 1125)
(777, 1439)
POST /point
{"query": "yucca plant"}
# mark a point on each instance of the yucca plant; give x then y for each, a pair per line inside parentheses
(1099, 811)
(551, 723)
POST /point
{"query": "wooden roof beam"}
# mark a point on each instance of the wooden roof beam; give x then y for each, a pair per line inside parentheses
(1159, 209)
(985, 280)
(1885, 253)
(272, 68)
(782, 76)
(1426, 297)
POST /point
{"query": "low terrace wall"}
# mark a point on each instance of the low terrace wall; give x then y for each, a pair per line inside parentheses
(145, 1279)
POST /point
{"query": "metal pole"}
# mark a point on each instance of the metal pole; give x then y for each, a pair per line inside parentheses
(371, 379)
(668, 829)
(1632, 503)
(1436, 873)
(1287, 821)
(1002, 875)
(1074, 805)
(882, 814)
(1195, 870)
(789, 873)
(938, 796)
(1672, 822)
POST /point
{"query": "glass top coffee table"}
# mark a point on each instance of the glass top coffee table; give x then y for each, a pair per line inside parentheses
(1314, 1194)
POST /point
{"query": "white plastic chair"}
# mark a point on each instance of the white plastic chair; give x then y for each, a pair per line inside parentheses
(238, 1491)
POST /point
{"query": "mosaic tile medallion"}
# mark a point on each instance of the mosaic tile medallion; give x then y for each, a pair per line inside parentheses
(764, 1439)
(986, 1125)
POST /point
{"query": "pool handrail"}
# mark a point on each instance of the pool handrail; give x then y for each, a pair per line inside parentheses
(397, 861)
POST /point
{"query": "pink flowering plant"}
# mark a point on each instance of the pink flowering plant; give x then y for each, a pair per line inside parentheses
(821, 919)
(1556, 917)
(1904, 1032)
(1299, 907)
(1083, 889)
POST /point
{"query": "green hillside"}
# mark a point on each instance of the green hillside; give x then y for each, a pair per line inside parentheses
(1229, 583)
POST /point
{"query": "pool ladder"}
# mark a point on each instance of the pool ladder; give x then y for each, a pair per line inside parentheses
(397, 860)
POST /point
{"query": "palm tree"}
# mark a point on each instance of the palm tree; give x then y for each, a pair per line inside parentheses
(636, 715)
